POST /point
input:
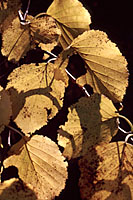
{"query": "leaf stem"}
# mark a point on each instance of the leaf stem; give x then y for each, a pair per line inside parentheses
(14, 129)
(128, 121)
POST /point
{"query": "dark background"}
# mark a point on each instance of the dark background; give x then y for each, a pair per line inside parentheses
(115, 18)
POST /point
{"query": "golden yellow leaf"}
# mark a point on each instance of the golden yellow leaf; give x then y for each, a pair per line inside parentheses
(42, 165)
(15, 41)
(106, 67)
(35, 94)
(14, 189)
(102, 174)
(44, 29)
(90, 121)
(72, 19)
(18, 39)
(5, 108)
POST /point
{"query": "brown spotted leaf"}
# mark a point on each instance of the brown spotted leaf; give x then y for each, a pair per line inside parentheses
(72, 19)
(102, 174)
(91, 121)
(106, 67)
(5, 108)
(8, 11)
(35, 94)
(19, 39)
(14, 189)
(41, 165)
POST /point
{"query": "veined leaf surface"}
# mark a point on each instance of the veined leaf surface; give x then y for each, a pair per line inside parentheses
(72, 19)
(42, 165)
(106, 67)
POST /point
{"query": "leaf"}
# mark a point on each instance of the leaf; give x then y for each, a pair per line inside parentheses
(41, 165)
(36, 96)
(15, 41)
(8, 9)
(102, 175)
(44, 29)
(18, 39)
(91, 121)
(15, 189)
(5, 109)
(71, 17)
(106, 67)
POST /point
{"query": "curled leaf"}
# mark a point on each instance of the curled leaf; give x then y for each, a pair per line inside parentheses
(107, 172)
(106, 67)
(35, 94)
(72, 19)
(5, 108)
(91, 121)
(41, 165)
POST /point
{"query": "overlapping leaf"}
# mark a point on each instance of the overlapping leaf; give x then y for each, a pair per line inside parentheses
(18, 39)
(102, 174)
(91, 121)
(35, 94)
(41, 165)
(5, 108)
(15, 189)
(106, 67)
(72, 19)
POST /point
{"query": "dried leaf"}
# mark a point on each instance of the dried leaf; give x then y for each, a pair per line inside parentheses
(102, 175)
(15, 189)
(36, 96)
(44, 29)
(106, 67)
(72, 19)
(8, 11)
(5, 108)
(41, 165)
(19, 39)
(90, 121)
(15, 41)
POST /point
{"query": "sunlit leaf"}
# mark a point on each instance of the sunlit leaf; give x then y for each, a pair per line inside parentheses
(5, 108)
(35, 94)
(18, 39)
(72, 19)
(15, 189)
(44, 29)
(106, 67)
(91, 121)
(102, 174)
(42, 165)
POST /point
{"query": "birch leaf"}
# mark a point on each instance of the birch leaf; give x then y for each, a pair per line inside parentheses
(15, 41)
(36, 96)
(102, 174)
(106, 67)
(8, 10)
(91, 121)
(71, 17)
(18, 39)
(14, 189)
(41, 165)
(5, 108)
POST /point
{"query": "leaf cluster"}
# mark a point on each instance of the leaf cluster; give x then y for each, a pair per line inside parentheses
(34, 95)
